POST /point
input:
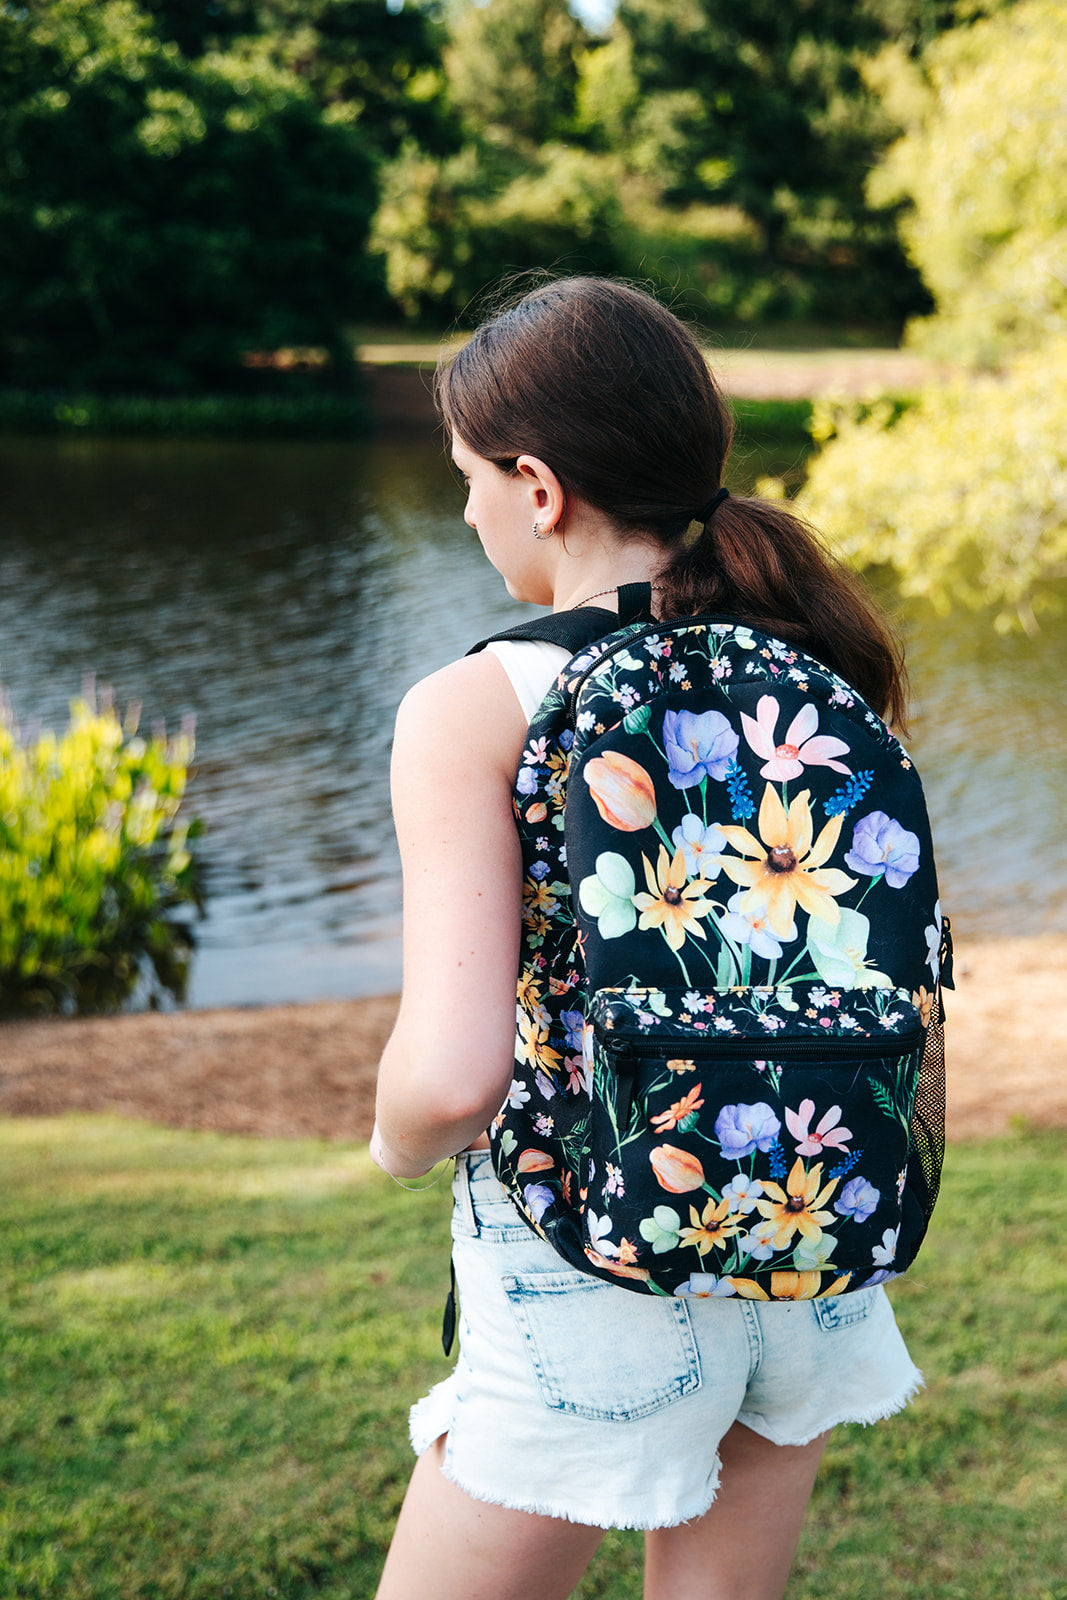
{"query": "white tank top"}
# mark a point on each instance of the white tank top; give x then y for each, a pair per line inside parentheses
(532, 666)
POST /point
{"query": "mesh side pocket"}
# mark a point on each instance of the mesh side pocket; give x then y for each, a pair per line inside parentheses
(927, 1130)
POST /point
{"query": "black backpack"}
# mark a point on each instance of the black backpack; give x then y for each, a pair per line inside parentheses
(729, 1070)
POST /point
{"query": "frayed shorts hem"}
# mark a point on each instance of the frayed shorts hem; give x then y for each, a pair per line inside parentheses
(866, 1419)
(591, 1517)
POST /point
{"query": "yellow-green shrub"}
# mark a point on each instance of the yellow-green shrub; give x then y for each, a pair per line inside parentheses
(963, 496)
(982, 164)
(97, 883)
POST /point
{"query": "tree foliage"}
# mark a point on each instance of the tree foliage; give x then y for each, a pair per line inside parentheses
(382, 63)
(446, 234)
(755, 110)
(762, 106)
(520, 192)
(512, 70)
(982, 166)
(163, 214)
(964, 496)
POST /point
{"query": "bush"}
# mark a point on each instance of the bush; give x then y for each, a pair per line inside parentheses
(97, 884)
(963, 496)
(982, 164)
(222, 416)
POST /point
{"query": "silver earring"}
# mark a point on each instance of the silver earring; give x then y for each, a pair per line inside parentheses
(536, 531)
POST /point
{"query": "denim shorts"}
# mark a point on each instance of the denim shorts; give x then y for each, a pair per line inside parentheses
(577, 1399)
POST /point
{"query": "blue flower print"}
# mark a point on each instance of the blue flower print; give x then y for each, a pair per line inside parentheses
(858, 1200)
(698, 746)
(880, 845)
(700, 844)
(573, 1021)
(752, 928)
(538, 1198)
(742, 1129)
(702, 1285)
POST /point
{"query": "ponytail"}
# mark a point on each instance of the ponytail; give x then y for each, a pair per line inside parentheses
(757, 561)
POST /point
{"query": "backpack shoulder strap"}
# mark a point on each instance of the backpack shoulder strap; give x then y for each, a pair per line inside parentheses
(574, 630)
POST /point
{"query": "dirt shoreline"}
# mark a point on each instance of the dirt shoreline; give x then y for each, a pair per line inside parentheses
(298, 1071)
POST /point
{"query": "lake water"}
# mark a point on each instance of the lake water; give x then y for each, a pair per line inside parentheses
(288, 595)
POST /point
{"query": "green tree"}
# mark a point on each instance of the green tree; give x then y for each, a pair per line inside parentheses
(982, 168)
(446, 232)
(512, 70)
(520, 192)
(964, 496)
(381, 62)
(762, 105)
(160, 216)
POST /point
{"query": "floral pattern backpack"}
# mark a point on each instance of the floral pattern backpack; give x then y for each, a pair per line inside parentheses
(729, 1075)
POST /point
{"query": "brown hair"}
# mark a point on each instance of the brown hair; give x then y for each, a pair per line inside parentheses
(610, 390)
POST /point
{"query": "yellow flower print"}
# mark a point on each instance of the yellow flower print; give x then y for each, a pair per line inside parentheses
(539, 897)
(711, 1228)
(796, 1208)
(532, 1046)
(784, 868)
(788, 1286)
(923, 1001)
(672, 905)
(795, 1285)
(529, 989)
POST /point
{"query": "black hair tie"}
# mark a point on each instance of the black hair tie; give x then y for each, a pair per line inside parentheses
(700, 521)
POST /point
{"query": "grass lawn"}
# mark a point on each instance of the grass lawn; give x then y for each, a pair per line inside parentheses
(208, 1345)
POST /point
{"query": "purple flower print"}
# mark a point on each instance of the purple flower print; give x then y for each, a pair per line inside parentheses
(538, 1198)
(742, 1129)
(858, 1200)
(573, 1021)
(880, 845)
(698, 746)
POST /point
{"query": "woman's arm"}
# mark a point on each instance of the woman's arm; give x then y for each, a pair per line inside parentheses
(446, 1069)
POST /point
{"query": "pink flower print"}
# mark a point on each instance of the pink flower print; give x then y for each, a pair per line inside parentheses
(799, 748)
(812, 1141)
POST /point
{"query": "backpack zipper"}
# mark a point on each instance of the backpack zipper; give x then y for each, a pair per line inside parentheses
(742, 1045)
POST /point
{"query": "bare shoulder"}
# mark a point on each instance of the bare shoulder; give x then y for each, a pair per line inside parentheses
(466, 709)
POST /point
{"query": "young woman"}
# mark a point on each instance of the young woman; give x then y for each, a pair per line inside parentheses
(590, 435)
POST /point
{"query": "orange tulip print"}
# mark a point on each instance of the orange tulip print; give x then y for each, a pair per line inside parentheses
(676, 1170)
(622, 791)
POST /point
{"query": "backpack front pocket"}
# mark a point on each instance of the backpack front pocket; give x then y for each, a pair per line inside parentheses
(751, 1141)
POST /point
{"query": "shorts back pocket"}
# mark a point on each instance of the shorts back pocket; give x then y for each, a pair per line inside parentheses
(839, 1311)
(600, 1354)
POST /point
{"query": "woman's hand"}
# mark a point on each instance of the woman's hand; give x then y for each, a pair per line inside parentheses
(446, 1069)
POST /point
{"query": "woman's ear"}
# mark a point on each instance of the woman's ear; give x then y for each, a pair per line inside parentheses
(548, 497)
